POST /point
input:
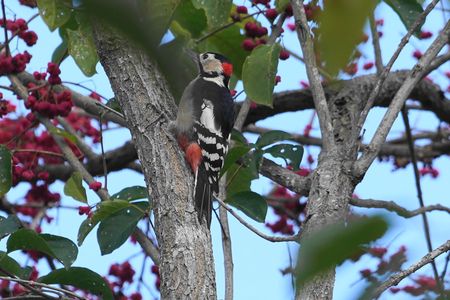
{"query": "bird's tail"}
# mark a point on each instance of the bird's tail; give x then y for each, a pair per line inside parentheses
(204, 192)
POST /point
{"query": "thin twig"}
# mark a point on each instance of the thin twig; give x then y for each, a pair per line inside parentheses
(376, 45)
(320, 101)
(394, 207)
(374, 93)
(225, 27)
(274, 239)
(226, 242)
(396, 278)
(444, 270)
(44, 152)
(85, 148)
(426, 225)
(147, 245)
(397, 103)
(30, 285)
(322, 71)
(105, 167)
(5, 30)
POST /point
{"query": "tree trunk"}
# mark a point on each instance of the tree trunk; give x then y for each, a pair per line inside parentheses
(332, 184)
(187, 264)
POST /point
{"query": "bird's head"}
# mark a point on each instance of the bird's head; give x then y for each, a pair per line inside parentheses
(215, 65)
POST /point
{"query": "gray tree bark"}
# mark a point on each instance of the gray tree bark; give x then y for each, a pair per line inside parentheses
(187, 264)
(332, 184)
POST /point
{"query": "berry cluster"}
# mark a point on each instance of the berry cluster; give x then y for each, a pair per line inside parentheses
(255, 33)
(20, 27)
(122, 274)
(13, 64)
(155, 270)
(5, 106)
(44, 100)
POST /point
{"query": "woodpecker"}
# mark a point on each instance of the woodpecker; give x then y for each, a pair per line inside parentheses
(203, 126)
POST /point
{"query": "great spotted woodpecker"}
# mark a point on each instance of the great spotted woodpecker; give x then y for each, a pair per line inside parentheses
(203, 126)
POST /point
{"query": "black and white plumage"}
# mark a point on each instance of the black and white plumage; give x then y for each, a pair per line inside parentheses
(206, 117)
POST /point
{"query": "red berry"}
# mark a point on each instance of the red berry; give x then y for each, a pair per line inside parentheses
(242, 9)
(291, 26)
(368, 66)
(417, 54)
(426, 34)
(95, 185)
(366, 272)
(155, 269)
(28, 175)
(251, 29)
(84, 210)
(277, 79)
(284, 54)
(248, 44)
(261, 31)
(271, 14)
(288, 10)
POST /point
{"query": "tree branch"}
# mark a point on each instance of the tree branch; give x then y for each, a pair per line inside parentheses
(396, 278)
(394, 207)
(413, 78)
(379, 83)
(426, 224)
(86, 103)
(320, 101)
(274, 239)
(376, 45)
(428, 94)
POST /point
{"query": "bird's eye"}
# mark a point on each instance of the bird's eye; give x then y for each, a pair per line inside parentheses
(205, 56)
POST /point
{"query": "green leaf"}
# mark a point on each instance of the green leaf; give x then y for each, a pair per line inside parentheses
(11, 266)
(81, 278)
(216, 11)
(63, 133)
(334, 244)
(238, 137)
(293, 153)
(281, 5)
(55, 246)
(82, 48)
(408, 11)
(227, 42)
(9, 225)
(340, 28)
(131, 193)
(240, 177)
(250, 203)
(110, 236)
(258, 73)
(60, 53)
(74, 187)
(271, 137)
(5, 170)
(190, 18)
(233, 155)
(55, 13)
(103, 210)
(160, 13)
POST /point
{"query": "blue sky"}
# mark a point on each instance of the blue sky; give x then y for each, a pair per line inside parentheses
(257, 262)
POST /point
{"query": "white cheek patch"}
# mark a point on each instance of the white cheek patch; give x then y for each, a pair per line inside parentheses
(207, 118)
